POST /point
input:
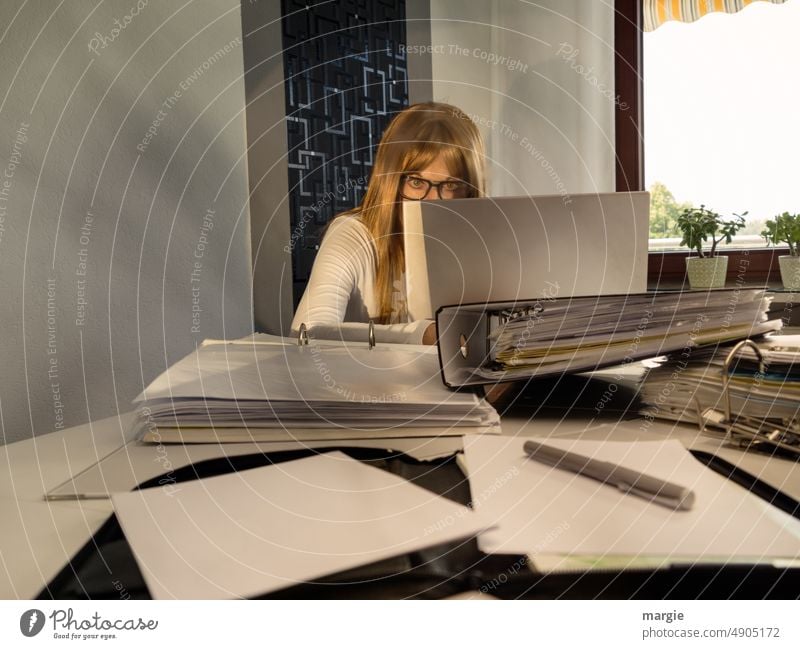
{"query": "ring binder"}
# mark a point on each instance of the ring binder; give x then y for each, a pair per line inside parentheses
(332, 390)
(726, 374)
(371, 334)
(761, 434)
(491, 342)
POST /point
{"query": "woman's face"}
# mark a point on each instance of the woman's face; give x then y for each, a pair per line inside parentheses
(432, 183)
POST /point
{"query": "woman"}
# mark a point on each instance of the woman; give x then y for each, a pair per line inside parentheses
(429, 151)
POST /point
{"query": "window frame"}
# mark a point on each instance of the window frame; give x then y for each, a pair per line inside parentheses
(751, 266)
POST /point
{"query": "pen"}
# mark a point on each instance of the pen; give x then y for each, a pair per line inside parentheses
(630, 481)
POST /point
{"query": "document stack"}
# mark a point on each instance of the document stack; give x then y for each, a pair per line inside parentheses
(550, 336)
(749, 391)
(265, 391)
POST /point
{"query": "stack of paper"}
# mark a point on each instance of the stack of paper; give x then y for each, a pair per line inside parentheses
(688, 385)
(586, 333)
(252, 392)
(549, 513)
(261, 530)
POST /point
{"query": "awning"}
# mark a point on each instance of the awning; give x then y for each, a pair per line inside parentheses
(657, 12)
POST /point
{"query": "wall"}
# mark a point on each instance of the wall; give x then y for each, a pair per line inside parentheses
(538, 78)
(418, 35)
(268, 166)
(124, 238)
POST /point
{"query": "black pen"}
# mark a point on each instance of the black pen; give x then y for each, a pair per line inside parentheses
(630, 481)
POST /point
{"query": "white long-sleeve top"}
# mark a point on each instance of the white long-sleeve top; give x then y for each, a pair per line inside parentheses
(340, 295)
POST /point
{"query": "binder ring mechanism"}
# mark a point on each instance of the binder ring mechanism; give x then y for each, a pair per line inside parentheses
(302, 335)
(755, 433)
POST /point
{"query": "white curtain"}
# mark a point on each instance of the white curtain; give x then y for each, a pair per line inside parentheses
(538, 78)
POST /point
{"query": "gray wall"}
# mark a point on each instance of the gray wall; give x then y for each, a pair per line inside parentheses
(123, 200)
(268, 165)
(418, 37)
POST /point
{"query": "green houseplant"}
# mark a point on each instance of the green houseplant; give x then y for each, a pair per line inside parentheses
(698, 225)
(785, 228)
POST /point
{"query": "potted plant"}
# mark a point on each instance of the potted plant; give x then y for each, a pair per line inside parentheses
(785, 228)
(698, 225)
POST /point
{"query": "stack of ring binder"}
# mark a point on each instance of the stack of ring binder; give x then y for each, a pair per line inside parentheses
(762, 379)
(753, 433)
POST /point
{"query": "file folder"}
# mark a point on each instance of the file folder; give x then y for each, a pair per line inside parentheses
(323, 390)
(505, 341)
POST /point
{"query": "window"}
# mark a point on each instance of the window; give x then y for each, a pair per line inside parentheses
(667, 267)
(721, 125)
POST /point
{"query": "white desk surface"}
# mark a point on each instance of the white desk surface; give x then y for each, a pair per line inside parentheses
(39, 537)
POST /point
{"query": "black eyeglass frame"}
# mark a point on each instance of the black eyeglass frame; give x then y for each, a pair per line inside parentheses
(431, 185)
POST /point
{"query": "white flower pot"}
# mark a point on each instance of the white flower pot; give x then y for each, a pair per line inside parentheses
(790, 272)
(706, 272)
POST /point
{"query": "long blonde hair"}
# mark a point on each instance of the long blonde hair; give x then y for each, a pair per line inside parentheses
(413, 140)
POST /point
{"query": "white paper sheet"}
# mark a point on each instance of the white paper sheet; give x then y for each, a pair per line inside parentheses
(542, 510)
(317, 372)
(265, 529)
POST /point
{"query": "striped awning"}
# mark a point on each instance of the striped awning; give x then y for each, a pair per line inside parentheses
(657, 12)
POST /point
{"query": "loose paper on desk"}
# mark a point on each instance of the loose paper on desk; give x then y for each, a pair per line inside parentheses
(264, 529)
(539, 509)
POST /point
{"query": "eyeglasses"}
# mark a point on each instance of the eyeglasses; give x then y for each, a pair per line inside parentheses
(415, 188)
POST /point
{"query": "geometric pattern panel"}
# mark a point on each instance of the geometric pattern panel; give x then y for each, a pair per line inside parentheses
(344, 77)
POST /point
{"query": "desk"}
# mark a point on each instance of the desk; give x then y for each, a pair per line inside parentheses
(38, 538)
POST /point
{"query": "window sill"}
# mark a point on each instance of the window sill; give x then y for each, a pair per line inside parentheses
(746, 268)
